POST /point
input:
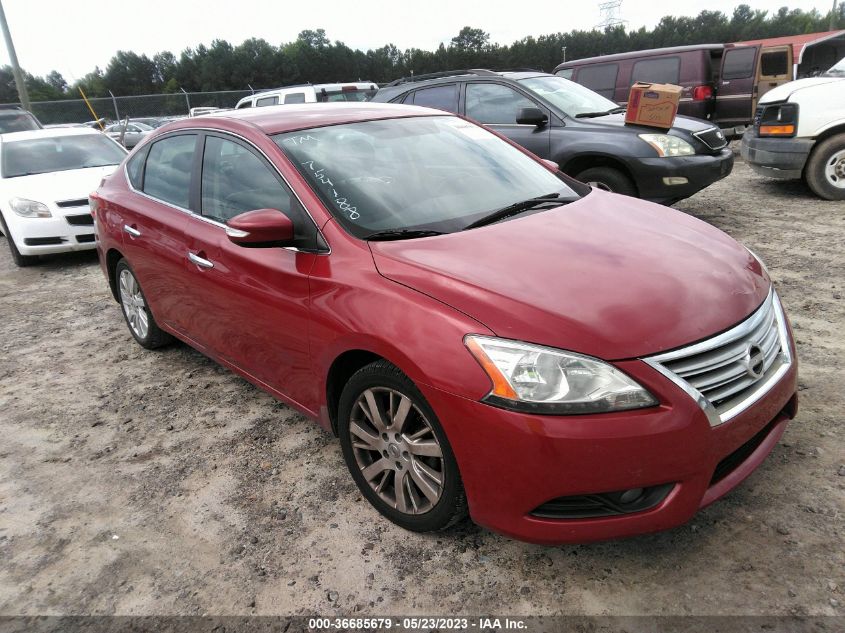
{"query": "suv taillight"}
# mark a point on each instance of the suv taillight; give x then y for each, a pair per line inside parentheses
(702, 93)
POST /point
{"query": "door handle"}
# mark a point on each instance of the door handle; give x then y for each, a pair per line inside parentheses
(199, 261)
(131, 231)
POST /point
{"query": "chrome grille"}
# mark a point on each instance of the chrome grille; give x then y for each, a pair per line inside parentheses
(729, 372)
(712, 138)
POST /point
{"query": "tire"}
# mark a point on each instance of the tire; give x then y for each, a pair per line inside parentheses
(424, 504)
(608, 179)
(21, 261)
(825, 170)
(133, 304)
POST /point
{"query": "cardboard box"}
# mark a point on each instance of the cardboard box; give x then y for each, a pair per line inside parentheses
(654, 105)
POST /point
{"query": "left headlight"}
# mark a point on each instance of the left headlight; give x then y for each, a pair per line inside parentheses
(540, 379)
(29, 208)
(668, 145)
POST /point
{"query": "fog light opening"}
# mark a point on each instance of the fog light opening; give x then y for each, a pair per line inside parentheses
(675, 180)
(630, 496)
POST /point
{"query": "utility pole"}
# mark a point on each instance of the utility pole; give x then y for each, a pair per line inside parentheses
(832, 24)
(13, 58)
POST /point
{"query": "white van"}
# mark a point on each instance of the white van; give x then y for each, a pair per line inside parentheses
(799, 132)
(311, 93)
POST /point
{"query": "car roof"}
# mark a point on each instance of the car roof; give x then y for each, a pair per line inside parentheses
(52, 132)
(635, 54)
(292, 117)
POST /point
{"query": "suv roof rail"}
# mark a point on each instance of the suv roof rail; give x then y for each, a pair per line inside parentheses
(442, 73)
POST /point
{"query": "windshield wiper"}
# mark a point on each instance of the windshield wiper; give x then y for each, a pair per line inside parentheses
(400, 234)
(592, 115)
(513, 209)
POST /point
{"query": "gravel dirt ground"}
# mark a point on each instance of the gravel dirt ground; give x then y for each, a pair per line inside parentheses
(137, 482)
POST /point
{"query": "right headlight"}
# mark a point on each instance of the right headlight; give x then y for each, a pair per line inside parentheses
(668, 145)
(29, 208)
(541, 379)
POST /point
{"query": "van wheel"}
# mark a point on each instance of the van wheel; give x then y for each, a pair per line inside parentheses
(608, 179)
(397, 452)
(825, 171)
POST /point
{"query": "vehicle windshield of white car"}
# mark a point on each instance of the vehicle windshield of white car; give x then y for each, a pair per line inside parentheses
(59, 153)
(436, 174)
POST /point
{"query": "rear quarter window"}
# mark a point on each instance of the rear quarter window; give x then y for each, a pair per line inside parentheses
(295, 97)
(267, 101)
(600, 78)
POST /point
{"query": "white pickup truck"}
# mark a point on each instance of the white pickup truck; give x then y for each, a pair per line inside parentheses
(799, 132)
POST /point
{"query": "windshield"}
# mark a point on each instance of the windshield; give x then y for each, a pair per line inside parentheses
(59, 153)
(837, 70)
(436, 173)
(573, 99)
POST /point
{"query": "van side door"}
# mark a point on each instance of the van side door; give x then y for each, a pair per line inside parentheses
(735, 94)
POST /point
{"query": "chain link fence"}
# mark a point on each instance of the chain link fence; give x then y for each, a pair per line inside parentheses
(118, 108)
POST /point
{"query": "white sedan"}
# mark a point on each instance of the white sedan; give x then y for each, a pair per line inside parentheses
(45, 178)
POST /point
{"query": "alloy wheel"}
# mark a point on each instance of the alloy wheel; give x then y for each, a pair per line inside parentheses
(133, 304)
(397, 450)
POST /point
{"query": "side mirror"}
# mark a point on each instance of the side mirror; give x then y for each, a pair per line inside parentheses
(261, 227)
(550, 164)
(531, 116)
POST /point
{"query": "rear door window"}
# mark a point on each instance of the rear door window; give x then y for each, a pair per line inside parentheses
(267, 101)
(295, 97)
(494, 103)
(439, 97)
(774, 63)
(662, 70)
(738, 63)
(167, 175)
(600, 78)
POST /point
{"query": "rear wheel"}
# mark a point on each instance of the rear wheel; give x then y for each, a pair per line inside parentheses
(138, 317)
(825, 170)
(397, 451)
(608, 179)
(20, 260)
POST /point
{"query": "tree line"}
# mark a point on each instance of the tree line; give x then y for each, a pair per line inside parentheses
(312, 57)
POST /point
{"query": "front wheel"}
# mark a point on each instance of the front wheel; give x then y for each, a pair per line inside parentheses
(20, 260)
(397, 451)
(608, 179)
(825, 171)
(142, 325)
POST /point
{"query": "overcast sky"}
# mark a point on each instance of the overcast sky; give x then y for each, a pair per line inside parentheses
(73, 36)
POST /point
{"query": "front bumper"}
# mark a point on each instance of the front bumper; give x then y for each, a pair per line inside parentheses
(782, 158)
(512, 463)
(700, 171)
(68, 230)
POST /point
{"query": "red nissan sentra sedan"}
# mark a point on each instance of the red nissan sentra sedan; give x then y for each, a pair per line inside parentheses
(481, 332)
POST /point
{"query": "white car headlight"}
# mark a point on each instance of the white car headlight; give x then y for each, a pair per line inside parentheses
(668, 145)
(540, 379)
(29, 208)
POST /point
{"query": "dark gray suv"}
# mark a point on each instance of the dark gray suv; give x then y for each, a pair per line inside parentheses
(581, 131)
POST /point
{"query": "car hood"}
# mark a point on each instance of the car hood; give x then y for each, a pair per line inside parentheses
(785, 91)
(682, 124)
(609, 276)
(55, 186)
